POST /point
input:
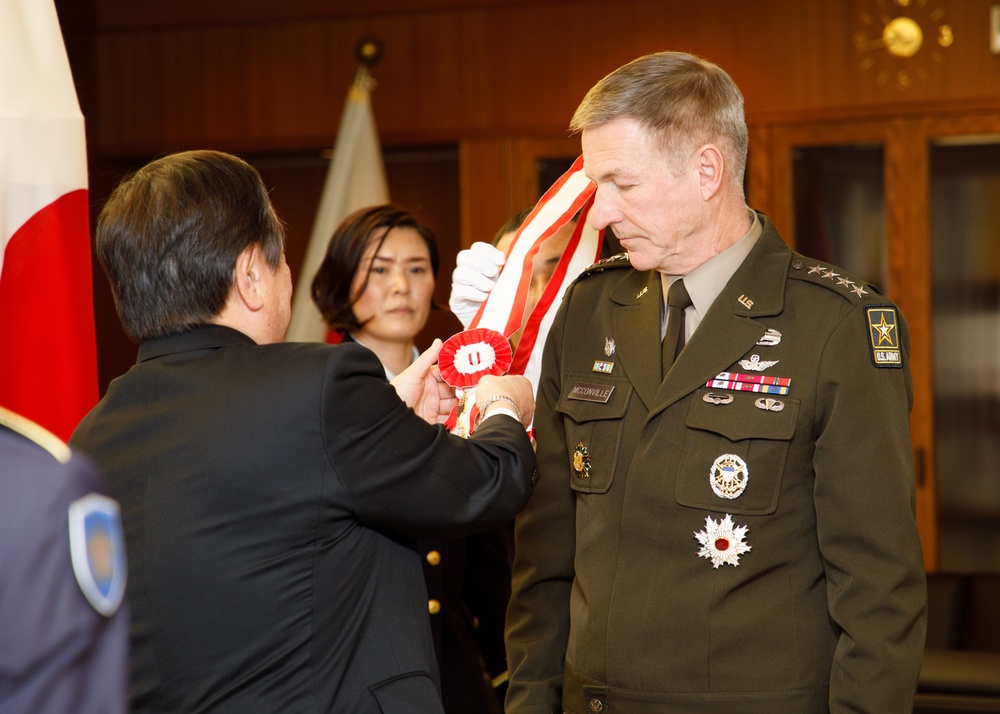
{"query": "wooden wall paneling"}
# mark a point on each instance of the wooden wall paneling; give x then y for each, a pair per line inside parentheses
(526, 156)
(452, 70)
(486, 193)
(907, 199)
(759, 179)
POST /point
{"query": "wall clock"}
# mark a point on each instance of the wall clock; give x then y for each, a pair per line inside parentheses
(899, 40)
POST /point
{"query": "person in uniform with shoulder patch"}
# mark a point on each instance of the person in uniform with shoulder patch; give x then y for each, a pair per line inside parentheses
(63, 627)
(724, 518)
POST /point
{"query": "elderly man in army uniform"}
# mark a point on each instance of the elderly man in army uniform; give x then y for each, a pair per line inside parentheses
(724, 519)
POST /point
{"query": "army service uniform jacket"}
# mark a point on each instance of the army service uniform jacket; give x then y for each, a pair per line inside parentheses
(693, 548)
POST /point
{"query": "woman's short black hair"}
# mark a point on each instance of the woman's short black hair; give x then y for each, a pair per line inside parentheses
(331, 287)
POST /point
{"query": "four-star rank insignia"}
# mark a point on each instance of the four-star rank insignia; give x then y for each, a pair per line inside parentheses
(883, 336)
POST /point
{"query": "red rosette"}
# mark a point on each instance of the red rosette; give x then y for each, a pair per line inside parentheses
(470, 355)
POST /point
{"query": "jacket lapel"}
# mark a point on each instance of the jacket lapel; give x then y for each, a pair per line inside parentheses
(635, 321)
(730, 328)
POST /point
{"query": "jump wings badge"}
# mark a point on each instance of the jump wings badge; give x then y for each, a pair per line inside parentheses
(721, 542)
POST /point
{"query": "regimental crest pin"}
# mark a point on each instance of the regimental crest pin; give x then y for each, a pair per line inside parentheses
(581, 461)
(609, 347)
(97, 549)
(722, 542)
(729, 476)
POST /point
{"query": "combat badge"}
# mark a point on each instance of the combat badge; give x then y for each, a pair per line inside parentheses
(883, 336)
(581, 461)
(721, 542)
(729, 476)
(771, 337)
(97, 548)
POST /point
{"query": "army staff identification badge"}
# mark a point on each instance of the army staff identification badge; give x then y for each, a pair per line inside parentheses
(883, 336)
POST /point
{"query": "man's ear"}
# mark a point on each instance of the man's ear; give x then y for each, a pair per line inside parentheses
(711, 166)
(247, 286)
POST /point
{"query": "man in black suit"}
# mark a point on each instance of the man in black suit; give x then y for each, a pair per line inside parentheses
(272, 493)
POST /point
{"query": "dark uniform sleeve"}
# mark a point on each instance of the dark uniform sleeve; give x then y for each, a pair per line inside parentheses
(864, 497)
(58, 653)
(545, 546)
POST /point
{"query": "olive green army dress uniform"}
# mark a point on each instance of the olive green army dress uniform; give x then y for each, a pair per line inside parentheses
(695, 548)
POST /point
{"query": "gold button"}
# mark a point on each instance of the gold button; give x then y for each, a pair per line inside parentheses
(433, 606)
(433, 557)
(596, 705)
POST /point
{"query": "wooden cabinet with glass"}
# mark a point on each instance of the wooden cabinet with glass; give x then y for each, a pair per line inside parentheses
(913, 206)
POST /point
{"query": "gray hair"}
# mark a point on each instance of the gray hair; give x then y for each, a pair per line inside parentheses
(684, 101)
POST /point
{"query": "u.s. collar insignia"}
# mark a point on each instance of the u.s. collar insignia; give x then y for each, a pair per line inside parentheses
(97, 549)
(729, 476)
(609, 347)
(722, 542)
(756, 364)
(581, 461)
(883, 336)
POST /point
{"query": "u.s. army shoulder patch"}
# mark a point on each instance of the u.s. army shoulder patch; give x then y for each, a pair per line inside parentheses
(883, 336)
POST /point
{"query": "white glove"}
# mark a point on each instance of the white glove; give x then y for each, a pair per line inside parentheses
(476, 272)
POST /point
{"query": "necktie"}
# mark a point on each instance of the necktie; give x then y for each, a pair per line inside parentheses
(673, 341)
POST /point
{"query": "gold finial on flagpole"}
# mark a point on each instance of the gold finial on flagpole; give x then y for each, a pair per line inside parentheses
(369, 52)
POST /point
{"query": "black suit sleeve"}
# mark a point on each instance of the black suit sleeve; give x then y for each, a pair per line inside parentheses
(408, 477)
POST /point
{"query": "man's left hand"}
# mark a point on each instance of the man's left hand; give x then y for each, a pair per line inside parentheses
(421, 387)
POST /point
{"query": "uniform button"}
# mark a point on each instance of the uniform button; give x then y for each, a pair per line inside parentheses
(433, 606)
(433, 557)
(596, 705)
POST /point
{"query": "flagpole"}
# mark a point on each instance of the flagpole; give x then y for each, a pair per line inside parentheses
(355, 179)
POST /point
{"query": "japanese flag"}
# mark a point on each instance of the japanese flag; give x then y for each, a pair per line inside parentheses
(48, 356)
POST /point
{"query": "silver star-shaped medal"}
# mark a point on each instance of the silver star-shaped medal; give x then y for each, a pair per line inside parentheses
(721, 542)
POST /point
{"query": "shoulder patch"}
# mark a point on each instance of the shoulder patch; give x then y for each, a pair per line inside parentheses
(883, 335)
(35, 433)
(830, 277)
(97, 548)
(615, 261)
